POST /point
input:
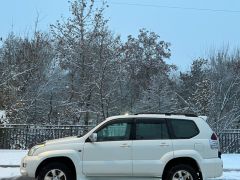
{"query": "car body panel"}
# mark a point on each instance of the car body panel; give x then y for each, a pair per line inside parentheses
(149, 157)
(111, 158)
(131, 158)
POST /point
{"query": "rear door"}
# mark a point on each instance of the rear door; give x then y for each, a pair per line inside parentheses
(152, 142)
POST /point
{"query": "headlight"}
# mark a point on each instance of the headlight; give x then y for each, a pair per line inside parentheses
(34, 148)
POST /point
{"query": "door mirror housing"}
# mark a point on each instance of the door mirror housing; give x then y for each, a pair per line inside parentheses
(93, 137)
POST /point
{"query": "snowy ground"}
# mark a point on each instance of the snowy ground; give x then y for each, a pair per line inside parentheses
(9, 172)
(11, 157)
(231, 164)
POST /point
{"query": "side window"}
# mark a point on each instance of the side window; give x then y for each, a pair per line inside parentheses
(184, 129)
(118, 131)
(150, 129)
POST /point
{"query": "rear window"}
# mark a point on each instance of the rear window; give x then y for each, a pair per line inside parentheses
(184, 129)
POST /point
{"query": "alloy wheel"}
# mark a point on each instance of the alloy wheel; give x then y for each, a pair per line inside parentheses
(55, 174)
(182, 175)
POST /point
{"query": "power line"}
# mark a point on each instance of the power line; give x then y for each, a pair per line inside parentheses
(175, 7)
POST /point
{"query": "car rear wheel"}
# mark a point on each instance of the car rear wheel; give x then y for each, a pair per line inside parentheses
(182, 172)
(55, 171)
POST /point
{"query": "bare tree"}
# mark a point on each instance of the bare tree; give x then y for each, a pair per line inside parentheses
(144, 58)
(86, 51)
(23, 69)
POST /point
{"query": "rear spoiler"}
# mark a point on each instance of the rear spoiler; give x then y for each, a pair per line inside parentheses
(203, 117)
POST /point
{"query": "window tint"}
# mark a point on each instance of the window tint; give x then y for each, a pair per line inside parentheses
(151, 129)
(114, 132)
(184, 129)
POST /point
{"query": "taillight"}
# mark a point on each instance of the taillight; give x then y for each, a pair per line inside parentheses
(214, 144)
(214, 137)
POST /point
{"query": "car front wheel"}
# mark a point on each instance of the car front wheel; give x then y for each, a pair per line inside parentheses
(55, 171)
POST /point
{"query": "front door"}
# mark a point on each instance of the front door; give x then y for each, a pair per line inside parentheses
(111, 155)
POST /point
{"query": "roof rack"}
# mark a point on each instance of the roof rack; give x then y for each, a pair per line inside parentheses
(169, 114)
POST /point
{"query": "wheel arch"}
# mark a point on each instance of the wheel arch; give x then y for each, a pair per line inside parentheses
(60, 159)
(181, 160)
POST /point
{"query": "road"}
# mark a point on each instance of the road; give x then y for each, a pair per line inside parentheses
(18, 178)
(25, 178)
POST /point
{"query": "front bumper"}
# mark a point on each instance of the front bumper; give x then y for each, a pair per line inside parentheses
(29, 166)
(212, 168)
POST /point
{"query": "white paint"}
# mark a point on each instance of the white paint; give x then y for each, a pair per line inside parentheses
(13, 157)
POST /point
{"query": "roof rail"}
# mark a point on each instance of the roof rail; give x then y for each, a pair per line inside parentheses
(169, 114)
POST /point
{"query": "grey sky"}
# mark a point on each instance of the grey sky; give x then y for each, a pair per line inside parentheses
(192, 33)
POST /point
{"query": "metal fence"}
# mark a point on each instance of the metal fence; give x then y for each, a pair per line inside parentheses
(23, 136)
(230, 141)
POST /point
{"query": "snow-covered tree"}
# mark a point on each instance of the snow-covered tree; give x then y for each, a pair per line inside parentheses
(225, 79)
(87, 51)
(143, 57)
(24, 68)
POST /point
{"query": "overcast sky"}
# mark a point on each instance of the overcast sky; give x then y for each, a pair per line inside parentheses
(193, 27)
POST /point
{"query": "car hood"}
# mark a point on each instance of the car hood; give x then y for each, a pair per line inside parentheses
(67, 140)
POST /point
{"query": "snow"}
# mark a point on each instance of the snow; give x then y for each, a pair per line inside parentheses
(231, 161)
(9, 172)
(11, 157)
(3, 118)
(231, 175)
(2, 114)
(231, 164)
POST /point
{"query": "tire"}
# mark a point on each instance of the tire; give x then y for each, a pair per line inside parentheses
(55, 169)
(184, 171)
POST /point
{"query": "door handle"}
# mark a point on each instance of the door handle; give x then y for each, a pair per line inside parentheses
(125, 146)
(164, 145)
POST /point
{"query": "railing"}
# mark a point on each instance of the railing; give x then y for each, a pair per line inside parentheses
(23, 136)
(230, 141)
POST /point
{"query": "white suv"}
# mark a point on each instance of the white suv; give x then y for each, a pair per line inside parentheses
(167, 146)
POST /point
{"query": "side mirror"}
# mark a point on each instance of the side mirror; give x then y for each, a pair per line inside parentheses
(93, 137)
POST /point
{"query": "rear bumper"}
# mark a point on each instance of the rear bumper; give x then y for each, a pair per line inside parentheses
(212, 168)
